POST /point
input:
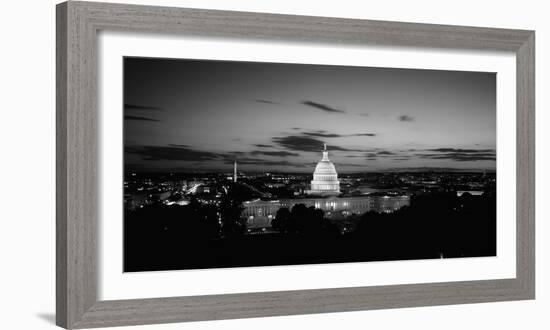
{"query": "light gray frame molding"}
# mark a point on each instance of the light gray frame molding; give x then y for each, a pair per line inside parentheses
(77, 142)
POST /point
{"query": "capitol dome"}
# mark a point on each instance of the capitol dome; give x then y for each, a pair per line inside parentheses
(325, 179)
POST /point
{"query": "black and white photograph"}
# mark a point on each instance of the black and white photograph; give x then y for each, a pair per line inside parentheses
(247, 164)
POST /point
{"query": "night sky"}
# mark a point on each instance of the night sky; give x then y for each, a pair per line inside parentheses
(196, 115)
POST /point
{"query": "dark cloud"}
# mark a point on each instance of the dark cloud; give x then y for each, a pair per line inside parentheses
(323, 107)
(274, 153)
(229, 159)
(263, 145)
(375, 154)
(371, 156)
(333, 147)
(353, 165)
(460, 150)
(306, 143)
(139, 118)
(363, 134)
(454, 154)
(460, 155)
(265, 162)
(299, 143)
(406, 118)
(128, 106)
(181, 152)
(266, 101)
(323, 135)
(171, 152)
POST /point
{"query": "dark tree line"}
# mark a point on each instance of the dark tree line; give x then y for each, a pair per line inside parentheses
(201, 236)
(157, 236)
(303, 220)
(436, 225)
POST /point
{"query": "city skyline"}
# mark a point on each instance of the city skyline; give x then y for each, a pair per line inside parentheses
(196, 115)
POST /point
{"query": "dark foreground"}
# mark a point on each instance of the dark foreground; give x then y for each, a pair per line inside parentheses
(190, 237)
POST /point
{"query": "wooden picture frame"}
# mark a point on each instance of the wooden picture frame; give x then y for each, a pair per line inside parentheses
(78, 24)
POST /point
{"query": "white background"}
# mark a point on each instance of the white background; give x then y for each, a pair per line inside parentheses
(27, 240)
(118, 285)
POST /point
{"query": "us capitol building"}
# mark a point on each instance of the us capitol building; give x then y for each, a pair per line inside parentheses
(323, 194)
(325, 179)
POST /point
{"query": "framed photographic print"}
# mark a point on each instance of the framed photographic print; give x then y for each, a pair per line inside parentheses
(215, 165)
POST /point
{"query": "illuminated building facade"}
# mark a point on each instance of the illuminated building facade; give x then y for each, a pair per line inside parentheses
(259, 213)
